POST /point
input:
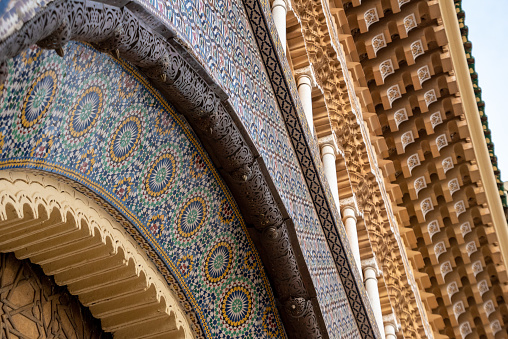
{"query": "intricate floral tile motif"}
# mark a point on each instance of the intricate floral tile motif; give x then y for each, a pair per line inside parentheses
(76, 116)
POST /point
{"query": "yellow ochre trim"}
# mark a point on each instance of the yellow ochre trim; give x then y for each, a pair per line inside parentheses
(481, 151)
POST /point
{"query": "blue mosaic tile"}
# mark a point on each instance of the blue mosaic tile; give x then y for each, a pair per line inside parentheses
(241, 73)
(89, 118)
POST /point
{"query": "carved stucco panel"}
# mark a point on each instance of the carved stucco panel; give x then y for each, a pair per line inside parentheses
(433, 228)
(400, 116)
(435, 119)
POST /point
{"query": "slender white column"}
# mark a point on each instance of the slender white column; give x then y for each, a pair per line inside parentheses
(279, 11)
(305, 81)
(391, 326)
(349, 219)
(328, 154)
(370, 273)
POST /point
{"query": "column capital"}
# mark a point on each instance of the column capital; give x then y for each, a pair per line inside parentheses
(391, 319)
(286, 4)
(349, 203)
(371, 264)
(330, 141)
(305, 75)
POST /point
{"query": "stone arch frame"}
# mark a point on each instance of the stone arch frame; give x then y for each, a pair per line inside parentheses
(82, 246)
(131, 32)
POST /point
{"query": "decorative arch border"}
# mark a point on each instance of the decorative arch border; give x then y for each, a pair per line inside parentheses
(126, 29)
(75, 240)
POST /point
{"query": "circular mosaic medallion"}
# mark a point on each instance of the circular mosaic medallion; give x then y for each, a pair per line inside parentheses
(191, 217)
(86, 111)
(236, 306)
(38, 99)
(160, 175)
(218, 262)
(90, 102)
(125, 139)
(126, 135)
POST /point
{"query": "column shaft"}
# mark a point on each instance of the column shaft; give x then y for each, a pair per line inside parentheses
(328, 154)
(279, 11)
(390, 332)
(348, 214)
(373, 292)
(305, 91)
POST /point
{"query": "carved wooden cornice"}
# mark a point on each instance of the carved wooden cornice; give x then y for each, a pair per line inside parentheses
(133, 34)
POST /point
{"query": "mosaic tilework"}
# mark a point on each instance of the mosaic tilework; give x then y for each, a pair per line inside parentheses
(94, 120)
(219, 34)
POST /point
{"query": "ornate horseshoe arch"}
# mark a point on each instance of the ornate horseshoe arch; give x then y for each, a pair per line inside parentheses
(77, 242)
(135, 35)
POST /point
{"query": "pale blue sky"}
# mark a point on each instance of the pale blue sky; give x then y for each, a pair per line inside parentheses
(488, 31)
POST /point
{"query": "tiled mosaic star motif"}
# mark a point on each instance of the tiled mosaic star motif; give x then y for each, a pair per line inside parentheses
(219, 34)
(96, 121)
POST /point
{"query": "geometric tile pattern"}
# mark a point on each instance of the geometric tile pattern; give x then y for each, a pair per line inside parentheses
(96, 121)
(219, 34)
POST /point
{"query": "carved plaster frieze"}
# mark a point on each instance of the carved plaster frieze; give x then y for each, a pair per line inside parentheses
(458, 309)
(477, 267)
(386, 68)
(460, 207)
(413, 161)
(393, 93)
(417, 49)
(445, 268)
(483, 287)
(426, 206)
(452, 288)
(471, 248)
(447, 164)
(402, 2)
(453, 186)
(435, 119)
(353, 137)
(400, 116)
(433, 228)
(378, 42)
(489, 307)
(465, 228)
(423, 74)
(465, 329)
(439, 249)
(409, 22)
(495, 327)
(430, 97)
(419, 184)
(441, 142)
(371, 17)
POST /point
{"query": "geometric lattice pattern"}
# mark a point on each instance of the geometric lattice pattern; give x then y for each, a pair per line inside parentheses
(33, 306)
